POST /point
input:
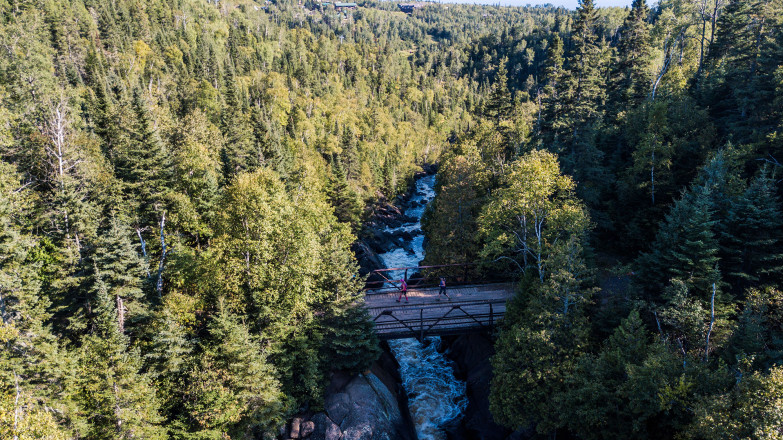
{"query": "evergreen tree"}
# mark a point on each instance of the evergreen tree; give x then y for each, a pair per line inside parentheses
(115, 400)
(32, 364)
(120, 270)
(232, 391)
(685, 248)
(616, 393)
(239, 153)
(499, 104)
(740, 89)
(538, 348)
(632, 70)
(347, 207)
(351, 342)
(553, 76)
(169, 359)
(581, 96)
(751, 237)
(144, 166)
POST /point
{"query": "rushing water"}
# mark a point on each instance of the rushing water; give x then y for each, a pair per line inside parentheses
(435, 396)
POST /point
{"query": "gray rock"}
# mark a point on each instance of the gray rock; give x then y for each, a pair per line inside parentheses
(333, 432)
(324, 428)
(362, 432)
(337, 407)
(360, 407)
(306, 429)
(375, 413)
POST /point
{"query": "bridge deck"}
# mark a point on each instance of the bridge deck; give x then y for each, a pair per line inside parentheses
(470, 308)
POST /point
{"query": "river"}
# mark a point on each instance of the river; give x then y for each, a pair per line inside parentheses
(435, 396)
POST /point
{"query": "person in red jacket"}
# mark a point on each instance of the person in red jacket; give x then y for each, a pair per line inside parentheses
(403, 290)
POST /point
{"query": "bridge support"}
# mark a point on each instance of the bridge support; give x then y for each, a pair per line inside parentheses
(421, 325)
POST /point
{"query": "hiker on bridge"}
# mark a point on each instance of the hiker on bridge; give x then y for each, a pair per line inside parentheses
(442, 290)
(403, 290)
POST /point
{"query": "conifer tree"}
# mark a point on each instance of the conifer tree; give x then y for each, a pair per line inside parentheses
(751, 236)
(616, 392)
(144, 166)
(169, 359)
(233, 390)
(550, 106)
(32, 364)
(120, 270)
(540, 344)
(347, 207)
(500, 110)
(499, 105)
(632, 75)
(239, 153)
(350, 340)
(685, 248)
(115, 400)
(581, 96)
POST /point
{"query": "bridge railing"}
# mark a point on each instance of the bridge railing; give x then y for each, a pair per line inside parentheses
(434, 320)
(420, 277)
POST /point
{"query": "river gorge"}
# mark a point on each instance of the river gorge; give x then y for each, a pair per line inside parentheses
(435, 397)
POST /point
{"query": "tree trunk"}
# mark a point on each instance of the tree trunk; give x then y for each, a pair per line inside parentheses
(163, 252)
(120, 315)
(712, 323)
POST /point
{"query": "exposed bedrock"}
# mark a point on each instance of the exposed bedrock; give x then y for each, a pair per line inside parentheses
(367, 406)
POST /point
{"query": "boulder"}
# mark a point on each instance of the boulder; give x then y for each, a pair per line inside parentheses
(405, 235)
(306, 429)
(337, 407)
(295, 427)
(324, 428)
(333, 433)
(361, 408)
(367, 258)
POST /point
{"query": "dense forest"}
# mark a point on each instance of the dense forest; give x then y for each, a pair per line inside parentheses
(626, 168)
(181, 182)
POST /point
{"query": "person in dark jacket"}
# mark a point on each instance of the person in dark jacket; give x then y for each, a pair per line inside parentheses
(442, 290)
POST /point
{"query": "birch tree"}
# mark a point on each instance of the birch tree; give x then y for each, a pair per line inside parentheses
(531, 214)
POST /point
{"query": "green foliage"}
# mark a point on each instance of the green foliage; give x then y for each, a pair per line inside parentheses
(615, 393)
(758, 339)
(223, 153)
(752, 409)
(534, 211)
(451, 219)
(751, 236)
(232, 389)
(350, 340)
(685, 247)
(114, 398)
